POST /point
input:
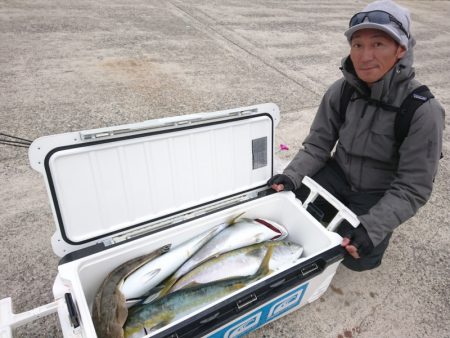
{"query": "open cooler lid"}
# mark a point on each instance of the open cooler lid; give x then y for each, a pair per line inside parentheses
(105, 181)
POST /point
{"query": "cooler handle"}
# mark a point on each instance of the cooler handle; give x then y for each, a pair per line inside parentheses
(343, 211)
(10, 320)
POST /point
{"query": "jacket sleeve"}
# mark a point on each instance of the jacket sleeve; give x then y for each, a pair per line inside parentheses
(321, 139)
(411, 188)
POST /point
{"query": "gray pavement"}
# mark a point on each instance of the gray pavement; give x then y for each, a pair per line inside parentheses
(67, 66)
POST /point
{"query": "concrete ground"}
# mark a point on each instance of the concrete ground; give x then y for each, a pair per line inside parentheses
(73, 65)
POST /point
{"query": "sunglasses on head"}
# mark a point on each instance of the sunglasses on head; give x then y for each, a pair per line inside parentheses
(380, 17)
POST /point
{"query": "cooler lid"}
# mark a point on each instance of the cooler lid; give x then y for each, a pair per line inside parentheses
(105, 181)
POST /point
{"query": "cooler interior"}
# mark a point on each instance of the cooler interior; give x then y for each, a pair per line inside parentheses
(86, 274)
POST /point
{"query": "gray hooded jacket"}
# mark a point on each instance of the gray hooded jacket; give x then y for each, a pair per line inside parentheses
(366, 148)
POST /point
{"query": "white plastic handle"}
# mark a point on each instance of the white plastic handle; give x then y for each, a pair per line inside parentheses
(10, 320)
(343, 212)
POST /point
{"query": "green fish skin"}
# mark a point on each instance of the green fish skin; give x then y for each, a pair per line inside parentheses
(145, 318)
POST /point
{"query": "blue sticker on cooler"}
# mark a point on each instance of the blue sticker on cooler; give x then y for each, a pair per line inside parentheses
(243, 327)
(261, 316)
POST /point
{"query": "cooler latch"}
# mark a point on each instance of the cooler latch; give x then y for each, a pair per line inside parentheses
(309, 269)
(242, 303)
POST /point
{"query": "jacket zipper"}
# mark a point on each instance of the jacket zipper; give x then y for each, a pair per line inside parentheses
(365, 145)
(363, 112)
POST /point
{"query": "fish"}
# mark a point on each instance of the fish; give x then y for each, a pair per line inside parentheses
(138, 283)
(243, 232)
(109, 311)
(240, 263)
(145, 318)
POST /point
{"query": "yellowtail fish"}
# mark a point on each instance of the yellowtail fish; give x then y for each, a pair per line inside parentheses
(145, 318)
(151, 274)
(242, 233)
(109, 310)
(240, 263)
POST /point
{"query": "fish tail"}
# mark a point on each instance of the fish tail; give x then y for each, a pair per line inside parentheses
(202, 239)
(165, 248)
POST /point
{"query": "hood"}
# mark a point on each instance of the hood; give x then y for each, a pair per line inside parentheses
(401, 74)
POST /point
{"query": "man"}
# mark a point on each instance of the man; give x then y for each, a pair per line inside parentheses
(382, 180)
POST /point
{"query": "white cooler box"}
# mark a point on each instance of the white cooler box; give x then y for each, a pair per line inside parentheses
(121, 192)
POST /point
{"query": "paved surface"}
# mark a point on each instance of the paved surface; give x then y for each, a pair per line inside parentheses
(67, 66)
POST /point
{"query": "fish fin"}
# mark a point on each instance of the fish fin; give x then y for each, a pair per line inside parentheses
(159, 291)
(193, 285)
(235, 218)
(151, 297)
(149, 276)
(255, 250)
(158, 326)
(165, 319)
(264, 267)
(168, 285)
(132, 302)
(152, 294)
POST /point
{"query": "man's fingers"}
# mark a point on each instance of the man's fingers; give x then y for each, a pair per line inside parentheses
(278, 187)
(353, 251)
(345, 241)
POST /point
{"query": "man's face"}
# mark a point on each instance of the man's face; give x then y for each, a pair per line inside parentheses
(374, 53)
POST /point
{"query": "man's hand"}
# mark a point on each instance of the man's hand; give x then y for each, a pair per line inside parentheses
(281, 182)
(356, 240)
(351, 249)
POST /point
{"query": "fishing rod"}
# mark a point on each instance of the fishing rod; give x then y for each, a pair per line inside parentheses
(14, 141)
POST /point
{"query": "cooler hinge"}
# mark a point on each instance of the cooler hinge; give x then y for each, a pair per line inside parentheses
(167, 123)
(178, 218)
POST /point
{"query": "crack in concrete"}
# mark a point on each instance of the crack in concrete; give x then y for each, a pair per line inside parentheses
(225, 33)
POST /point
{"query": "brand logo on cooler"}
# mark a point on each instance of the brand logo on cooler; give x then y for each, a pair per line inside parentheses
(285, 304)
(257, 318)
(243, 327)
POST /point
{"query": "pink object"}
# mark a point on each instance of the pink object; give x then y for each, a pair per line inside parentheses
(284, 147)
